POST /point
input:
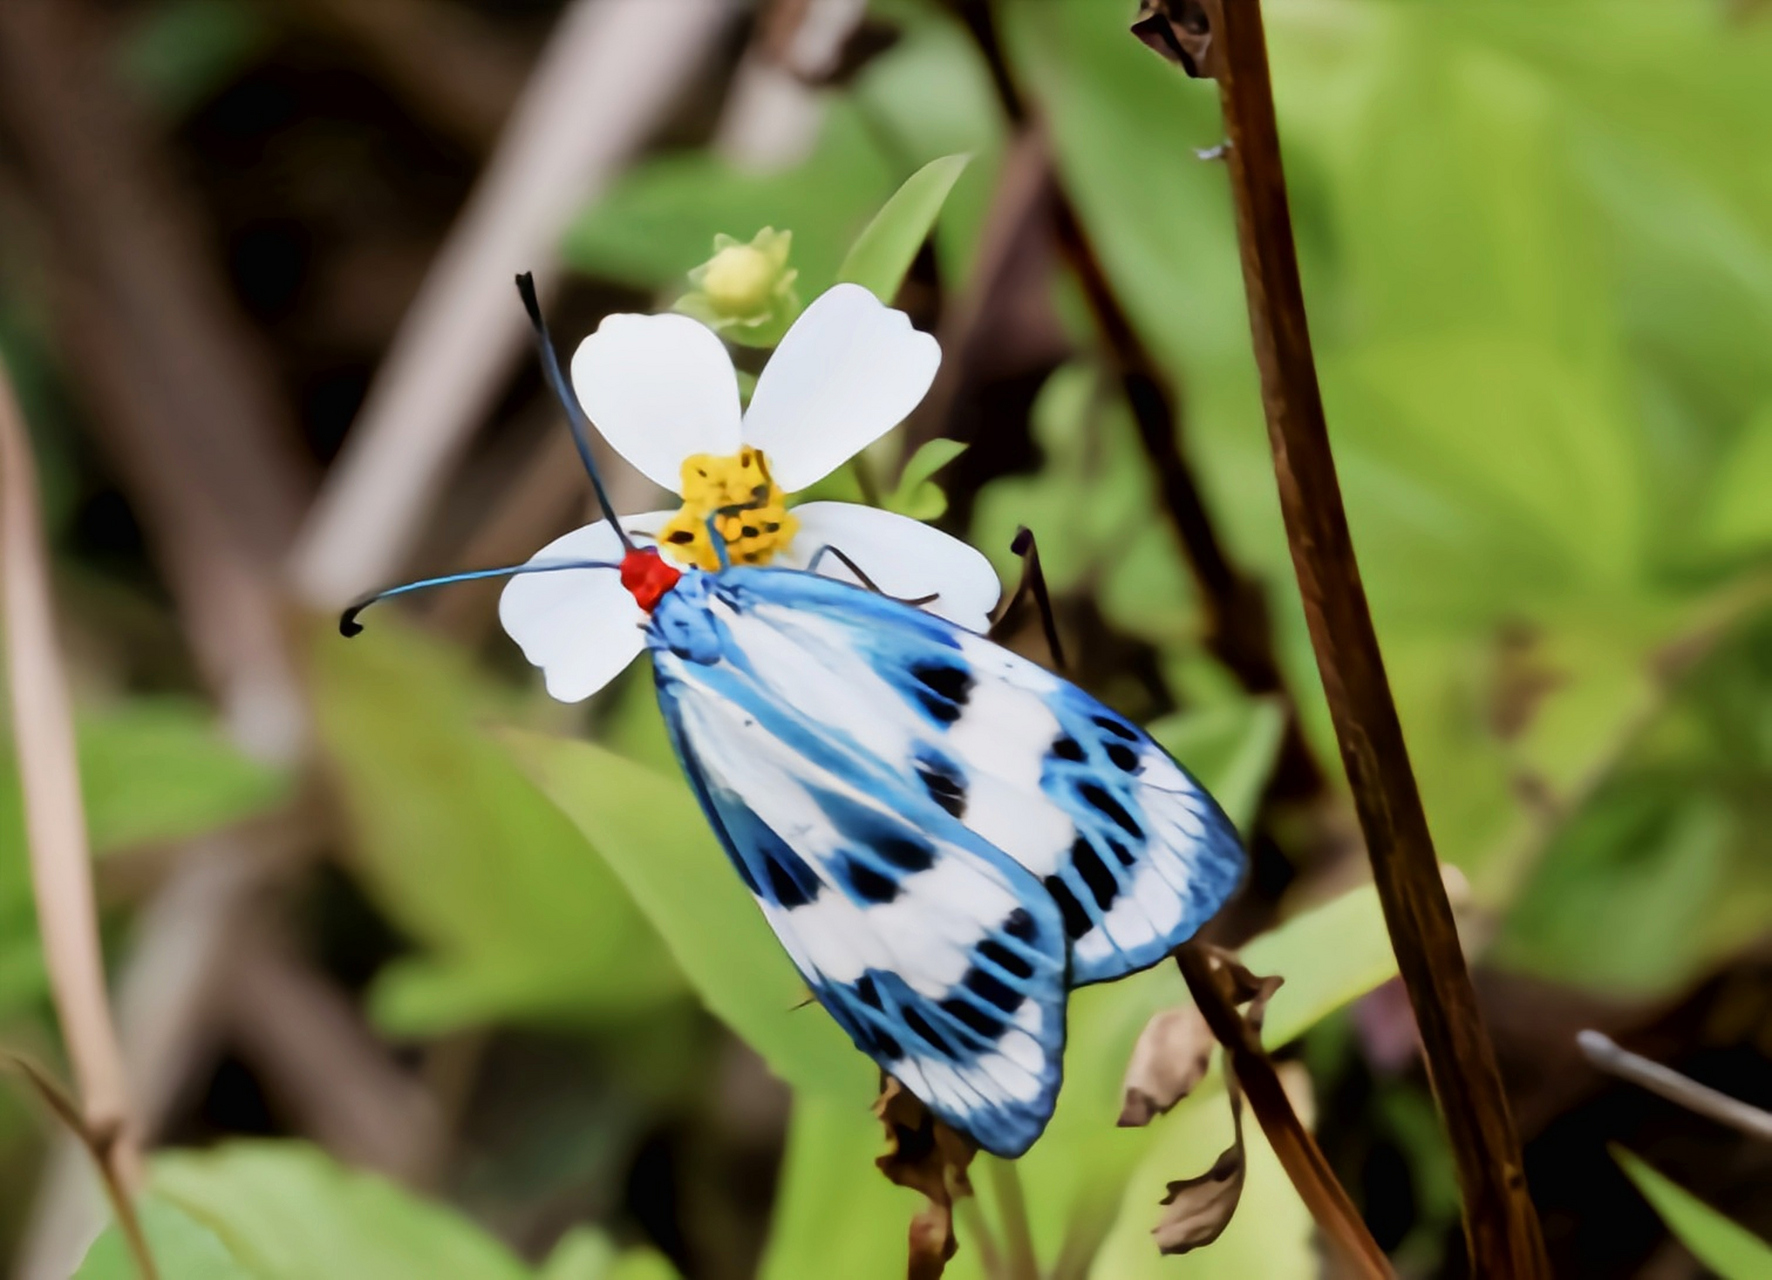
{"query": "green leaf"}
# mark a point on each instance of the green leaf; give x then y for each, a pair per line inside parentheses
(1234, 744)
(882, 253)
(1732, 1251)
(917, 495)
(287, 1211)
(159, 770)
(1737, 518)
(184, 51)
(518, 917)
(651, 831)
(658, 221)
(182, 1247)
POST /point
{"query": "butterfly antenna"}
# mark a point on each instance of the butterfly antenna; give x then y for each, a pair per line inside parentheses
(348, 625)
(575, 414)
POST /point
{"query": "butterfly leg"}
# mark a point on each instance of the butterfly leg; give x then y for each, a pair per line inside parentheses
(1033, 582)
(833, 550)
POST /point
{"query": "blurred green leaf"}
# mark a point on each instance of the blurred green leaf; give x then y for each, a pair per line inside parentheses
(1732, 1251)
(658, 220)
(1235, 744)
(1737, 518)
(287, 1211)
(651, 831)
(917, 495)
(159, 770)
(182, 1247)
(519, 917)
(882, 253)
(642, 1264)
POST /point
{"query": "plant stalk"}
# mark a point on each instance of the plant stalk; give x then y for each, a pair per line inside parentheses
(1501, 1226)
(1292, 1143)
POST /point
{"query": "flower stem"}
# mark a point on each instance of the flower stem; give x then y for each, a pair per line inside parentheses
(1012, 1207)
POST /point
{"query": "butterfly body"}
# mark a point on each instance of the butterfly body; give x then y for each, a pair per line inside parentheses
(945, 837)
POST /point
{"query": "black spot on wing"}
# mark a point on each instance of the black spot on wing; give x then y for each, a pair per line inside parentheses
(1067, 748)
(1123, 756)
(1076, 920)
(941, 688)
(788, 881)
(1018, 924)
(870, 885)
(1098, 798)
(906, 853)
(867, 992)
(914, 1019)
(992, 990)
(944, 784)
(973, 1018)
(1116, 727)
(1095, 873)
(1005, 959)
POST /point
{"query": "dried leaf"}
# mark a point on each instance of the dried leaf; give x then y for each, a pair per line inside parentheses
(1247, 988)
(1200, 1208)
(925, 1155)
(1180, 30)
(1169, 1059)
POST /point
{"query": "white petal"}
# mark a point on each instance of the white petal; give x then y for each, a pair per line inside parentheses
(904, 558)
(849, 371)
(580, 626)
(659, 388)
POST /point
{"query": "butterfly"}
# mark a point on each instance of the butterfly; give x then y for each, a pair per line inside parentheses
(945, 837)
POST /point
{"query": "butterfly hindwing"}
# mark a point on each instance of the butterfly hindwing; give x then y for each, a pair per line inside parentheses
(1133, 853)
(941, 957)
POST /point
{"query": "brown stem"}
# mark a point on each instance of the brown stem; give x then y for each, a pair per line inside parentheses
(55, 827)
(101, 1147)
(1292, 1143)
(1501, 1227)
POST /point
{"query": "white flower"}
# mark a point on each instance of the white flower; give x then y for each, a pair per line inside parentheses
(663, 392)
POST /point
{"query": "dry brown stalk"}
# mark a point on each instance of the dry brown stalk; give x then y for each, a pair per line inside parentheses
(1226, 41)
(55, 818)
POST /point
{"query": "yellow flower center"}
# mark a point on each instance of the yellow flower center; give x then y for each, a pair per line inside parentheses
(748, 509)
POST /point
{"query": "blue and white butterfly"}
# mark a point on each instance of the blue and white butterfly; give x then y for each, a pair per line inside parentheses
(945, 837)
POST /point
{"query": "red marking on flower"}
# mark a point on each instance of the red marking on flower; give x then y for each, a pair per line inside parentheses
(647, 577)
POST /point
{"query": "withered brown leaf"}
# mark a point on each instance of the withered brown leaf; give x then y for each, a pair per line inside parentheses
(925, 1155)
(1169, 1059)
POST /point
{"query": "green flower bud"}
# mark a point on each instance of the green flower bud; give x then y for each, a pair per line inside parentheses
(744, 291)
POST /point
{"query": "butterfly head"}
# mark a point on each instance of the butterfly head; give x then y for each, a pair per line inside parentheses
(647, 577)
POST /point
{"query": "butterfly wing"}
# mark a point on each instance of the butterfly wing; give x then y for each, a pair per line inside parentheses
(1133, 852)
(941, 958)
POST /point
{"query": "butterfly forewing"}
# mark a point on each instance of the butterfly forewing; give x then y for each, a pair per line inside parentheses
(1132, 852)
(942, 958)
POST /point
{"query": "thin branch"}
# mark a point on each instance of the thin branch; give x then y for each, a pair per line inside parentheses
(55, 819)
(100, 1147)
(1501, 1226)
(1605, 1054)
(1292, 1143)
